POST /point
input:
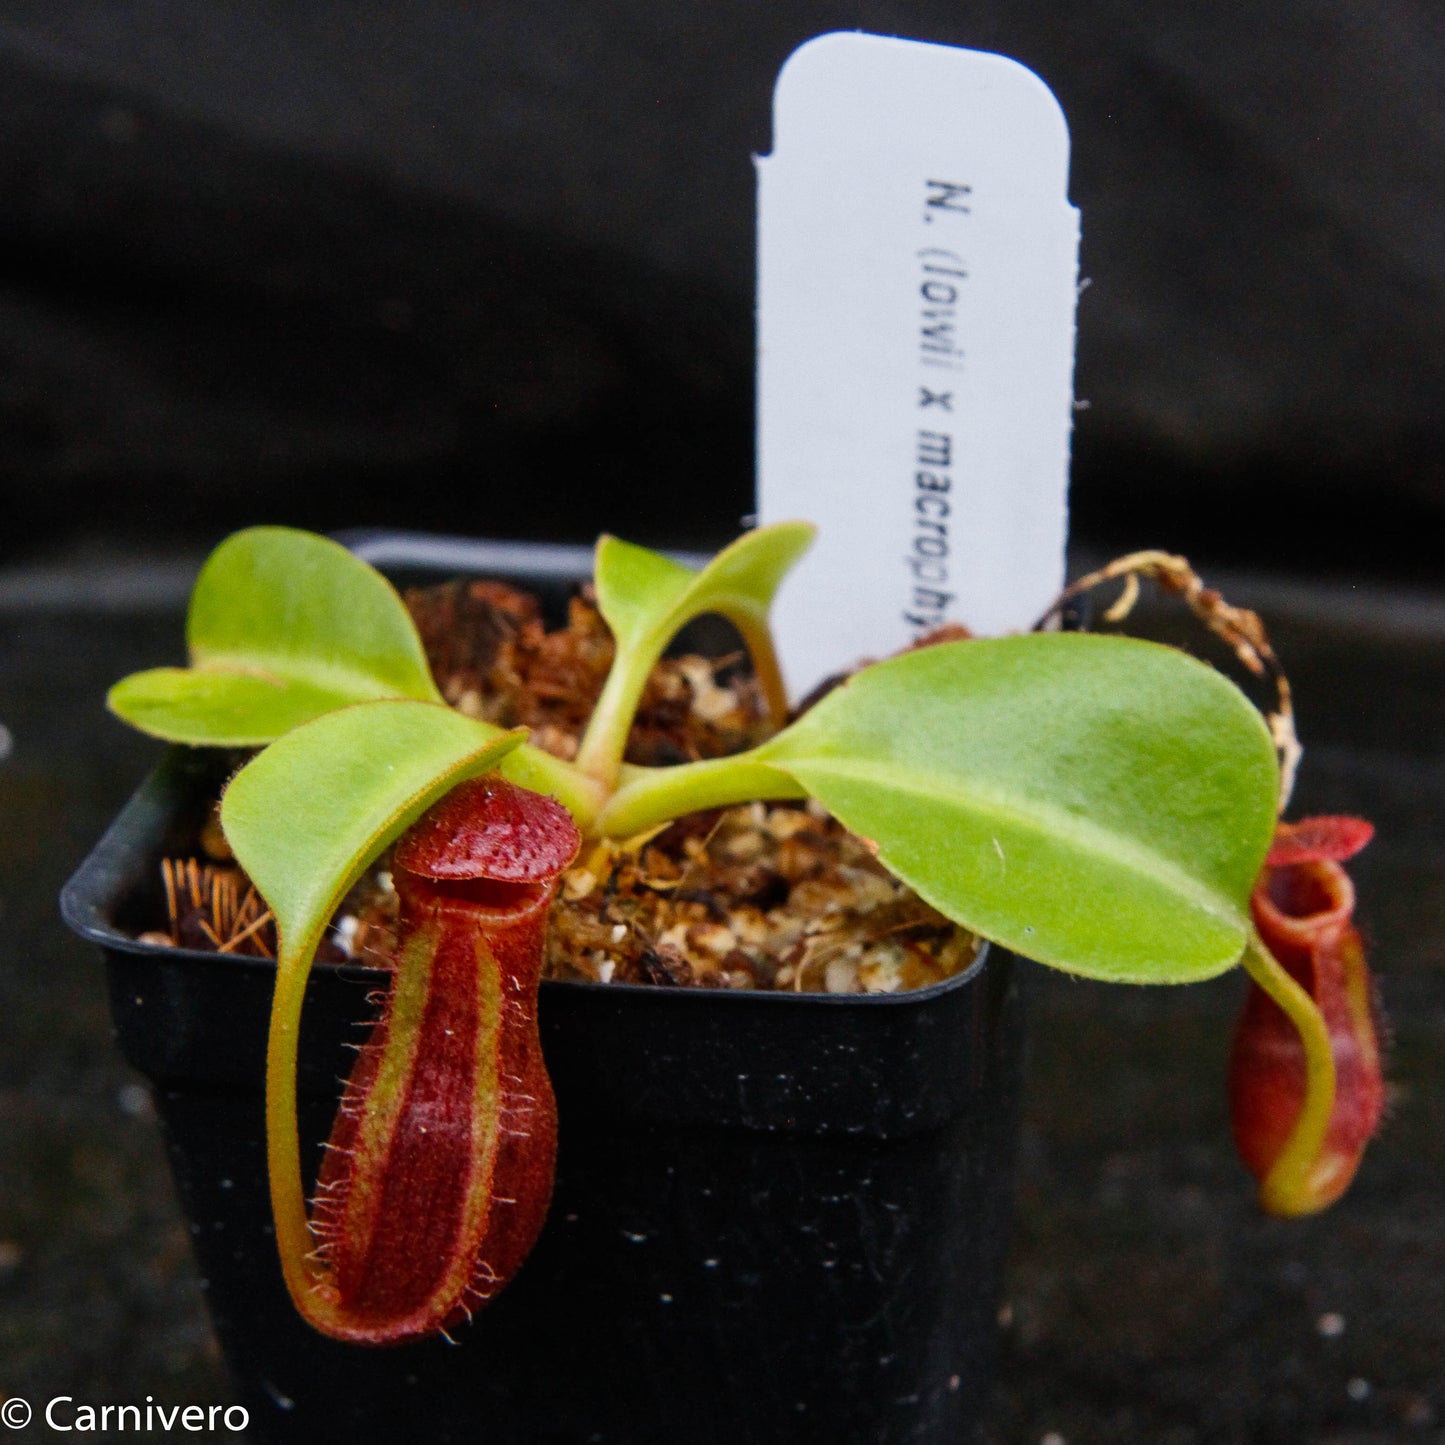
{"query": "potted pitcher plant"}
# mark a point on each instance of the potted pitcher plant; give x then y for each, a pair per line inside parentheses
(644, 1210)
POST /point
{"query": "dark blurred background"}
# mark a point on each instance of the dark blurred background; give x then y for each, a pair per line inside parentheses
(337, 262)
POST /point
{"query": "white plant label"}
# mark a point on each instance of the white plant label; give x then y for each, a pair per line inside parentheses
(917, 281)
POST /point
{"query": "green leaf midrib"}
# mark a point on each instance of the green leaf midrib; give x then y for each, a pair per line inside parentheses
(306, 671)
(1041, 819)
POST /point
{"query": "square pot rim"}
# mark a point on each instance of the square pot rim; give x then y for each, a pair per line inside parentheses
(90, 897)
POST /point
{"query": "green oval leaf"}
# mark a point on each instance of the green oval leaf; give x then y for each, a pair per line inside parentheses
(638, 590)
(1097, 803)
(305, 816)
(645, 598)
(283, 627)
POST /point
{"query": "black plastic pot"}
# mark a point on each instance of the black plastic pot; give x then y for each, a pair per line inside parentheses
(777, 1217)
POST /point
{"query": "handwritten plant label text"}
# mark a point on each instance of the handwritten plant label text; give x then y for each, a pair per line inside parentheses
(917, 276)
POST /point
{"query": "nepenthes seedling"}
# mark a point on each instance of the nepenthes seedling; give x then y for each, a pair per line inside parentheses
(1097, 803)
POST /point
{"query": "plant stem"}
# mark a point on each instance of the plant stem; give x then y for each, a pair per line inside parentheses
(583, 796)
(599, 755)
(1287, 1190)
(294, 1239)
(649, 796)
(757, 637)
